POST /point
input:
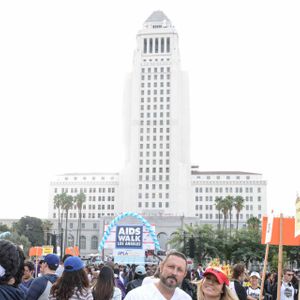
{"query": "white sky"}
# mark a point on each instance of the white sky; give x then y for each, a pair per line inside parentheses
(62, 71)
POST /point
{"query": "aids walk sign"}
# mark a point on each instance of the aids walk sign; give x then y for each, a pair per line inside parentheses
(129, 237)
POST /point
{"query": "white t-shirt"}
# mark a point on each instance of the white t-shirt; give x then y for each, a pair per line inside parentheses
(287, 291)
(151, 292)
(253, 292)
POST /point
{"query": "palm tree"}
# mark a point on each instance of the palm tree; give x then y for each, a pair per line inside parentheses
(224, 209)
(57, 204)
(46, 225)
(66, 206)
(79, 200)
(229, 202)
(218, 204)
(238, 205)
(253, 224)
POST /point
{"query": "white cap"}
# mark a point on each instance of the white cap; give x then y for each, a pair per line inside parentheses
(256, 274)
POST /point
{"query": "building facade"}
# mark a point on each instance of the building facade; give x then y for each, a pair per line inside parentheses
(157, 180)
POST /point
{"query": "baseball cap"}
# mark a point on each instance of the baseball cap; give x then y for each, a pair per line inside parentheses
(51, 260)
(218, 273)
(256, 274)
(140, 270)
(73, 263)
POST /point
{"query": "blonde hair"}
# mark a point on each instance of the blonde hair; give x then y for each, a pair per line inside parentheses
(226, 295)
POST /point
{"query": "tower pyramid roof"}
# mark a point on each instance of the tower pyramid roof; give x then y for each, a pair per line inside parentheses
(157, 16)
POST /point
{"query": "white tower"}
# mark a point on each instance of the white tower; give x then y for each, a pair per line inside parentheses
(156, 179)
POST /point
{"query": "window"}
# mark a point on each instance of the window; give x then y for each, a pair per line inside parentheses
(145, 45)
(94, 243)
(82, 242)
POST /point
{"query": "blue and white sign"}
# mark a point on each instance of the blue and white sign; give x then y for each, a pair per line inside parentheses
(129, 237)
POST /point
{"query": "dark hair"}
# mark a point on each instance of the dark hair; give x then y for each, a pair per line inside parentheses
(104, 288)
(175, 253)
(29, 265)
(18, 276)
(9, 259)
(285, 270)
(65, 286)
(66, 256)
(238, 270)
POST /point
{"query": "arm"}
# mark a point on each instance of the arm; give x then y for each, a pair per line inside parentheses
(36, 288)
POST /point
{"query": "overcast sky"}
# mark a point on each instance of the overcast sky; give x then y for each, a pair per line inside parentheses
(62, 72)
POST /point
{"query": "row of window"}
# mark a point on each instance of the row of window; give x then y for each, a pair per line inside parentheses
(84, 190)
(211, 207)
(154, 177)
(159, 162)
(154, 170)
(154, 153)
(155, 92)
(154, 115)
(155, 129)
(226, 190)
(160, 186)
(154, 138)
(154, 122)
(155, 76)
(153, 204)
(156, 45)
(210, 217)
(101, 198)
(153, 195)
(88, 215)
(155, 70)
(161, 84)
(153, 145)
(155, 107)
(161, 99)
(210, 198)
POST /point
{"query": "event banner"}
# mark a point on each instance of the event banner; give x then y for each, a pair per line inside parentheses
(297, 217)
(129, 237)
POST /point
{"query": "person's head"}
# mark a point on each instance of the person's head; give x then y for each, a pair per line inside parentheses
(173, 270)
(73, 278)
(28, 270)
(140, 272)
(11, 263)
(104, 287)
(65, 257)
(238, 272)
(49, 264)
(254, 278)
(287, 275)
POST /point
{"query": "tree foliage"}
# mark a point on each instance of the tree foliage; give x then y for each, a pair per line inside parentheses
(32, 228)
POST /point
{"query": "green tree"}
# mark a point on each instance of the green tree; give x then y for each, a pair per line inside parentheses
(67, 204)
(57, 204)
(204, 239)
(47, 226)
(229, 200)
(79, 200)
(218, 204)
(3, 228)
(32, 228)
(238, 205)
(253, 223)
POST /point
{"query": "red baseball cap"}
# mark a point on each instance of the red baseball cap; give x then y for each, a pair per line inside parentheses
(218, 273)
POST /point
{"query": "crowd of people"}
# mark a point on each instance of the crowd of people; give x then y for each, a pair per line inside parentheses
(172, 279)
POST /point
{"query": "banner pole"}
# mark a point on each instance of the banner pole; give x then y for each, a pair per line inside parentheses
(264, 272)
(280, 257)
